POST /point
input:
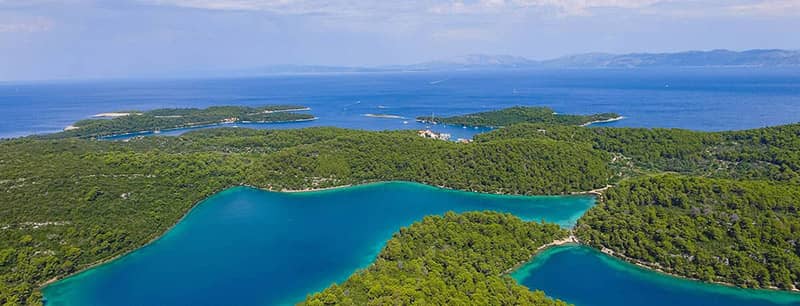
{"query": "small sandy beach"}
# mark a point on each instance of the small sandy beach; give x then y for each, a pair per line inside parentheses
(603, 121)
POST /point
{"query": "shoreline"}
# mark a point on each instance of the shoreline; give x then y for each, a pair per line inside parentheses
(124, 253)
(384, 116)
(317, 189)
(652, 267)
(596, 192)
(571, 239)
(497, 127)
(301, 109)
(268, 122)
(288, 191)
(124, 114)
(113, 114)
(603, 121)
(203, 125)
(491, 127)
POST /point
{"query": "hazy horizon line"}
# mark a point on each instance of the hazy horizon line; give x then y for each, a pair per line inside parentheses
(381, 68)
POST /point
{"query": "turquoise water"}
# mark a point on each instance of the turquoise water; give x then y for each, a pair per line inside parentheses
(586, 277)
(245, 246)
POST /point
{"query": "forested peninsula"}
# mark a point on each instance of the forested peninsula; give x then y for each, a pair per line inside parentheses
(71, 201)
(449, 260)
(128, 122)
(520, 114)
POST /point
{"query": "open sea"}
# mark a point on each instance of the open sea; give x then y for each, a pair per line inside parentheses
(699, 99)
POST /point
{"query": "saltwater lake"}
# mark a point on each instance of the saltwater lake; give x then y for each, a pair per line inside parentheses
(245, 246)
(585, 277)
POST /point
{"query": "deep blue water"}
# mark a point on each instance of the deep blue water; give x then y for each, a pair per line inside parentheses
(701, 99)
(586, 277)
(249, 247)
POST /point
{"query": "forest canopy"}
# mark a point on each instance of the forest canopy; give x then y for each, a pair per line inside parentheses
(173, 118)
(519, 114)
(455, 259)
(70, 201)
(739, 232)
(96, 199)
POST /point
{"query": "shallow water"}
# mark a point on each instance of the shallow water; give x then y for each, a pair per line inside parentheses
(250, 247)
(586, 277)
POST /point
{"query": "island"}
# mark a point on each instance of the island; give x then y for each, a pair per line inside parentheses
(520, 114)
(713, 206)
(130, 122)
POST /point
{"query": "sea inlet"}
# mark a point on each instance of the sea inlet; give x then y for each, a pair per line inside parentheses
(245, 246)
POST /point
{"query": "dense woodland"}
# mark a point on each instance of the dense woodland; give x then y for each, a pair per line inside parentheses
(72, 202)
(69, 202)
(519, 114)
(741, 232)
(173, 118)
(768, 153)
(449, 260)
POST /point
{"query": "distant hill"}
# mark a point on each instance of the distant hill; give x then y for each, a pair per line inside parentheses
(473, 61)
(714, 58)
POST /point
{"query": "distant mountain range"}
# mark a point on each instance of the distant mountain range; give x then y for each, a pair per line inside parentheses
(473, 61)
(713, 58)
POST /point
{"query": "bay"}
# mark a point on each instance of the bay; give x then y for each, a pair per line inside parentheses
(586, 277)
(245, 246)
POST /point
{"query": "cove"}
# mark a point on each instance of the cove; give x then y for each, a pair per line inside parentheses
(586, 277)
(245, 246)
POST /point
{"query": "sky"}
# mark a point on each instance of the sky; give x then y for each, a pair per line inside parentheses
(64, 39)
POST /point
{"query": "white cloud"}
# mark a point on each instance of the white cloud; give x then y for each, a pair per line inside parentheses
(367, 8)
(420, 6)
(774, 7)
(231, 4)
(461, 7)
(584, 7)
(36, 25)
(295, 7)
